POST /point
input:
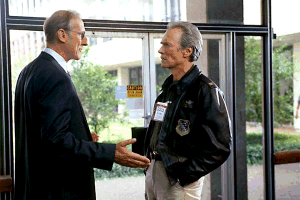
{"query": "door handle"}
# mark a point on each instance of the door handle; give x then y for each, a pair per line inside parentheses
(147, 116)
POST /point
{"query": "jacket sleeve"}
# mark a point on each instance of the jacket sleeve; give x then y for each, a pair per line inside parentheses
(212, 140)
(55, 97)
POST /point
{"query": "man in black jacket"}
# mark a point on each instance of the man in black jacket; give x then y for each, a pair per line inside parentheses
(189, 134)
(55, 152)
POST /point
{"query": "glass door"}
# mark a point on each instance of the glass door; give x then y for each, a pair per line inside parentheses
(120, 62)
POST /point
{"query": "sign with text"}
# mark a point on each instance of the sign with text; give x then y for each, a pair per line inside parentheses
(134, 91)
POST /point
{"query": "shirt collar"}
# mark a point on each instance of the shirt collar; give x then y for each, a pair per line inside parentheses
(58, 58)
(184, 82)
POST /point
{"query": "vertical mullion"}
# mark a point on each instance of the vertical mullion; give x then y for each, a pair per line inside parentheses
(152, 74)
(6, 143)
(268, 141)
(229, 172)
(146, 72)
(234, 113)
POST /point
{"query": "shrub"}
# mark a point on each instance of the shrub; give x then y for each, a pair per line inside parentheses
(282, 142)
(118, 171)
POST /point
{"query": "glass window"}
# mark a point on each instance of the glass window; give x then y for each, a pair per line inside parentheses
(201, 11)
(286, 93)
(113, 73)
(23, 50)
(281, 15)
(250, 89)
(229, 11)
(286, 135)
(96, 78)
(21, 56)
(136, 76)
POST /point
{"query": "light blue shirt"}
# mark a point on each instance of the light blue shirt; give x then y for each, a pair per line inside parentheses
(58, 58)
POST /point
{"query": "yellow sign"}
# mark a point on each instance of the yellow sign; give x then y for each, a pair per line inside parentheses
(134, 91)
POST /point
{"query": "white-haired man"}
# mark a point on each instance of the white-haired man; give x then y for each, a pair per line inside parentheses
(189, 134)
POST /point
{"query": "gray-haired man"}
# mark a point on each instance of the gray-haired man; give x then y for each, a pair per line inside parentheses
(189, 134)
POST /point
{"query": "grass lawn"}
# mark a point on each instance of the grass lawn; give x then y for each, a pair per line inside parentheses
(282, 142)
(118, 132)
(279, 139)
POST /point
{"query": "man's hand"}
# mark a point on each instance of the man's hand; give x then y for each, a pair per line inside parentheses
(127, 158)
(95, 137)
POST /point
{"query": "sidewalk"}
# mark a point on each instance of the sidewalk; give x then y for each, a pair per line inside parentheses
(287, 182)
(131, 188)
(287, 179)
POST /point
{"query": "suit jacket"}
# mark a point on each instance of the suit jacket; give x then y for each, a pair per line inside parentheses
(55, 154)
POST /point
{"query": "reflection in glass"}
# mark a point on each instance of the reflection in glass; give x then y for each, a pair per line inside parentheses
(201, 11)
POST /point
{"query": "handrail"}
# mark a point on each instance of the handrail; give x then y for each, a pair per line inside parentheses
(286, 157)
(5, 183)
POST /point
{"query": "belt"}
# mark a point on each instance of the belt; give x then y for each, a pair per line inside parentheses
(155, 156)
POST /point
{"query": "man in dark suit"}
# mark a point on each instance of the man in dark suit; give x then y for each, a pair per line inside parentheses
(55, 152)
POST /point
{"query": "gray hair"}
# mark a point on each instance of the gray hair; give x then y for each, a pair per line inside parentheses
(191, 37)
(59, 20)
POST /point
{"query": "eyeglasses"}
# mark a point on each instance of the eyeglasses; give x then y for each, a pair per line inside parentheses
(82, 34)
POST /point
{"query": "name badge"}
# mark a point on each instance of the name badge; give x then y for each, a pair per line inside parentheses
(160, 111)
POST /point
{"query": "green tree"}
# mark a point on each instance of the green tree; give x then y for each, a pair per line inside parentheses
(96, 91)
(283, 69)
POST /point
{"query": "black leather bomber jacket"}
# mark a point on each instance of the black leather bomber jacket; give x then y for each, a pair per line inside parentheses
(207, 145)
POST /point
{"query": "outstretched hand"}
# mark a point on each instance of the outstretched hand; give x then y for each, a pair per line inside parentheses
(127, 158)
(95, 137)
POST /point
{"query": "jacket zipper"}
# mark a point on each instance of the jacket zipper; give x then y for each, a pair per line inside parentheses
(176, 108)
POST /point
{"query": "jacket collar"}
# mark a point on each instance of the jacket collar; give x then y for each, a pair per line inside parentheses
(51, 59)
(184, 82)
